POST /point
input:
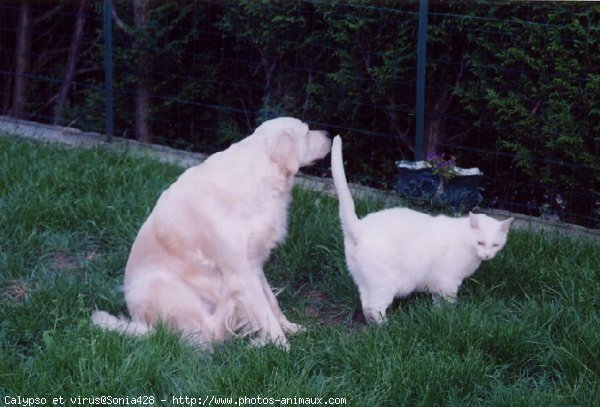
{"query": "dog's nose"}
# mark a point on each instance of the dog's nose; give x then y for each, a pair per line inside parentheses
(327, 134)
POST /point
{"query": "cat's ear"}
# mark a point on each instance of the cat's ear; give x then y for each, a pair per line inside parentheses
(473, 221)
(505, 226)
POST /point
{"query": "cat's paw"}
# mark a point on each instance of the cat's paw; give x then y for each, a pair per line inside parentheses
(442, 299)
(374, 317)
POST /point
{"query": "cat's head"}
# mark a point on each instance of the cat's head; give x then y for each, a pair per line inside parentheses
(488, 234)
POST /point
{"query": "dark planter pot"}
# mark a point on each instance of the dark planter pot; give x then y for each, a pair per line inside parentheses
(417, 183)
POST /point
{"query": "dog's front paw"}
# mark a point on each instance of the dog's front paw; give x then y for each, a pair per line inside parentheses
(260, 341)
(292, 328)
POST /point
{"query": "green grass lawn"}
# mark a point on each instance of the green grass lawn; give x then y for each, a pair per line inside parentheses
(525, 330)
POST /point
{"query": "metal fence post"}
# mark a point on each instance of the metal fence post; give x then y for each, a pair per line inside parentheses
(421, 63)
(108, 68)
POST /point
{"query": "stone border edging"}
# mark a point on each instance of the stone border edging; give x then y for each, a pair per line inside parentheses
(77, 138)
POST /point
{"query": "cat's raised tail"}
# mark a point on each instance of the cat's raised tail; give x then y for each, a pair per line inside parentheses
(347, 212)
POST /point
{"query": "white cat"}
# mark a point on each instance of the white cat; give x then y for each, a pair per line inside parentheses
(393, 252)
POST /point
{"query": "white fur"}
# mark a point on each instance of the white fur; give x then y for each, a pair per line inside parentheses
(197, 262)
(395, 252)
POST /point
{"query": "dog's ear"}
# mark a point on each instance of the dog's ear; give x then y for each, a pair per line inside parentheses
(284, 151)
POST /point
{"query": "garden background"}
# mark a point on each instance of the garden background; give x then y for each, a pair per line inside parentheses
(511, 87)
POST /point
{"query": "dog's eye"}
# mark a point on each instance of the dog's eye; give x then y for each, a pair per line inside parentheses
(481, 243)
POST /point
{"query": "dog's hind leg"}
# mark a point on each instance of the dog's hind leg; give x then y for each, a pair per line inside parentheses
(164, 297)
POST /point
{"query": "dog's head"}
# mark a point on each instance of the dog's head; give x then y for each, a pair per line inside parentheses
(291, 144)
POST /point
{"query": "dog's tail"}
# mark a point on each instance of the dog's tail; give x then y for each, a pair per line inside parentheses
(111, 323)
(348, 216)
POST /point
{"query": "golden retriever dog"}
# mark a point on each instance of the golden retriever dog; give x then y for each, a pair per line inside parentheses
(196, 264)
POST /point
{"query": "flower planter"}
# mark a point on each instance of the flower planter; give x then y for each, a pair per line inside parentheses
(418, 183)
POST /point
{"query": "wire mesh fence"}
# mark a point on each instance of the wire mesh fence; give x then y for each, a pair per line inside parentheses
(511, 88)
